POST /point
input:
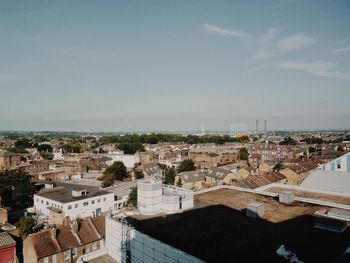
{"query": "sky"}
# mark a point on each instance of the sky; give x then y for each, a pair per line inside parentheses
(166, 65)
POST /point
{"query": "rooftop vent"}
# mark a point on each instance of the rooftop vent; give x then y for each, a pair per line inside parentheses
(286, 197)
(255, 210)
(78, 193)
(49, 186)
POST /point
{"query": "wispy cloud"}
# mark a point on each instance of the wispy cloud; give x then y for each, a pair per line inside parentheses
(295, 42)
(323, 69)
(213, 29)
(266, 44)
(342, 49)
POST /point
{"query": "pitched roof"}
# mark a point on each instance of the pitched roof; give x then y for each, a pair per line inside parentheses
(48, 242)
(6, 239)
(44, 243)
(88, 232)
(66, 238)
(192, 176)
(218, 173)
(100, 225)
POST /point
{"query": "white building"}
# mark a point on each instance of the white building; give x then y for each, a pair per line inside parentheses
(153, 197)
(129, 160)
(341, 164)
(74, 200)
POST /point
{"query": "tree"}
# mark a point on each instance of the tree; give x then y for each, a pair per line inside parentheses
(107, 180)
(16, 188)
(277, 167)
(47, 155)
(139, 174)
(288, 141)
(26, 225)
(72, 148)
(23, 143)
(169, 177)
(243, 154)
(117, 170)
(179, 182)
(133, 197)
(45, 148)
(131, 148)
(186, 165)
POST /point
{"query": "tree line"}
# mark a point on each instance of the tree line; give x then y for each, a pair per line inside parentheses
(155, 138)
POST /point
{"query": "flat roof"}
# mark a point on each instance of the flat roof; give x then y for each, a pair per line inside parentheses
(62, 192)
(219, 231)
(339, 199)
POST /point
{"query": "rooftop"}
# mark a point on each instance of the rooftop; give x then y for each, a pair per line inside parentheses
(62, 192)
(221, 232)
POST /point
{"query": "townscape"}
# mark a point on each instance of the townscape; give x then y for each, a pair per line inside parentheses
(187, 131)
(66, 196)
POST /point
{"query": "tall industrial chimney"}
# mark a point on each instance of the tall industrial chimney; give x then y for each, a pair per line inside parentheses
(265, 126)
(257, 126)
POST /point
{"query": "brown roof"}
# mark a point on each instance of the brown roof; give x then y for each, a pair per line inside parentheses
(100, 225)
(44, 243)
(66, 238)
(88, 232)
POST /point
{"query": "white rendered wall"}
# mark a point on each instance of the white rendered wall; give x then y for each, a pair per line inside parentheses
(106, 203)
(149, 197)
(129, 160)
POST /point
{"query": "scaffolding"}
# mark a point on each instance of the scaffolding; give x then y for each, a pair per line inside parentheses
(125, 242)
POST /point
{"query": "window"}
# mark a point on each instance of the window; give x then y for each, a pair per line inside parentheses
(85, 203)
(66, 254)
(47, 203)
(53, 259)
(37, 200)
(87, 249)
(339, 166)
(76, 205)
(42, 201)
(74, 252)
(45, 260)
(93, 202)
(104, 198)
(98, 200)
(69, 207)
(94, 246)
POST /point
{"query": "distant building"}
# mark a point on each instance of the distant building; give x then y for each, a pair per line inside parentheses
(341, 164)
(191, 180)
(73, 200)
(66, 243)
(129, 160)
(10, 160)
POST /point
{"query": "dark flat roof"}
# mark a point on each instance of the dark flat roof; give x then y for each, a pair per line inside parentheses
(62, 192)
(218, 233)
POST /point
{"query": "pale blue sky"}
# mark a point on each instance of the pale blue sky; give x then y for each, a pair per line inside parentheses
(168, 65)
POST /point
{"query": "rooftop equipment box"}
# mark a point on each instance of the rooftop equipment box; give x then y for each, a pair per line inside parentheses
(286, 197)
(255, 210)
